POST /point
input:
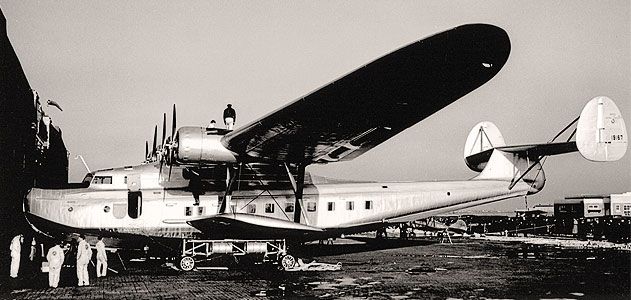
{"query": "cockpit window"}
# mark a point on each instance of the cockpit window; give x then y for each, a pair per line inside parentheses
(88, 178)
(102, 180)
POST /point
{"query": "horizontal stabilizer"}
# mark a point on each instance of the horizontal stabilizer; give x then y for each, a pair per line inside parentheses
(601, 134)
(536, 150)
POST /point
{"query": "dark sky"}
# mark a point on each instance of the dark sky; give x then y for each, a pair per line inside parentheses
(116, 66)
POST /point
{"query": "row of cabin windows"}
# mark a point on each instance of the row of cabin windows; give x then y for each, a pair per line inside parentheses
(134, 207)
(289, 207)
(311, 207)
(269, 207)
(350, 205)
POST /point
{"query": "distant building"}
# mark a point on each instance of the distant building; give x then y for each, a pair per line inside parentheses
(547, 208)
(530, 213)
(621, 204)
(592, 206)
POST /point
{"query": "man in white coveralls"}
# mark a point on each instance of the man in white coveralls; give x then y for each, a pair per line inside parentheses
(55, 259)
(101, 258)
(84, 254)
(16, 250)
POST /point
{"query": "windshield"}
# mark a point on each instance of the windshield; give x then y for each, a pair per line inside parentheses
(87, 179)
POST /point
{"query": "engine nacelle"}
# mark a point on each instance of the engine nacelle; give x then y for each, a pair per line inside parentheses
(196, 145)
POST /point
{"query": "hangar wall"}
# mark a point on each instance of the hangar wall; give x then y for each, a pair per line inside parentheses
(23, 160)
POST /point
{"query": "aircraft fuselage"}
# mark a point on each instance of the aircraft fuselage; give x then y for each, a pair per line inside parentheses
(110, 209)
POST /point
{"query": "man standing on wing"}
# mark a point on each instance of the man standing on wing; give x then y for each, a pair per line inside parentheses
(229, 117)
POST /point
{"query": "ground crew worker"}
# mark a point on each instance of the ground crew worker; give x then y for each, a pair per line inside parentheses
(55, 259)
(212, 124)
(16, 250)
(34, 262)
(31, 255)
(84, 254)
(229, 117)
(101, 258)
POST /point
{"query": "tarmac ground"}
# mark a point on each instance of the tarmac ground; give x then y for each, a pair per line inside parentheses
(371, 269)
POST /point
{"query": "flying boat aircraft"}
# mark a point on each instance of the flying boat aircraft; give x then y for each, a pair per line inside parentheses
(244, 190)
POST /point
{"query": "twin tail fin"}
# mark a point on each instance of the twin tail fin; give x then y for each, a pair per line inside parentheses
(600, 136)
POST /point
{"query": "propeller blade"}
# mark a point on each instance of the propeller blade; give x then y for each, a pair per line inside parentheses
(155, 136)
(170, 152)
(146, 150)
(164, 128)
(170, 167)
(173, 126)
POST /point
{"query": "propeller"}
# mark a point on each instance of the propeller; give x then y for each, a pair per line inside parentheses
(172, 145)
(154, 149)
(168, 144)
(163, 146)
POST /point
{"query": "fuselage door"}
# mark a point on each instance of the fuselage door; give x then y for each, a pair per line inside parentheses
(134, 204)
(134, 196)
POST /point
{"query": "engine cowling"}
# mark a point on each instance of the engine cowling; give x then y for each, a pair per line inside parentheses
(195, 145)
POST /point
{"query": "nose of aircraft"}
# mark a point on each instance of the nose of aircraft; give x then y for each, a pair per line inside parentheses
(26, 204)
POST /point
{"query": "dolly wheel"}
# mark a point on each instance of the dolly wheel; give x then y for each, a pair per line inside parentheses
(187, 263)
(288, 262)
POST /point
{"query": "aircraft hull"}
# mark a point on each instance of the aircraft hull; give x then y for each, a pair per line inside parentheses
(335, 208)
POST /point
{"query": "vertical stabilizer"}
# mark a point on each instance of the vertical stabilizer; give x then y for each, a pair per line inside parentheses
(601, 134)
(480, 143)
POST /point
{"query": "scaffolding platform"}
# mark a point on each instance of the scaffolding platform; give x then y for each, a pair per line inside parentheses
(272, 251)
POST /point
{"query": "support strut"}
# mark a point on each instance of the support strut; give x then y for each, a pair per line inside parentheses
(300, 184)
(230, 179)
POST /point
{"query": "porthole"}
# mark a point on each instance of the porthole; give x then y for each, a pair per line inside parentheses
(70, 208)
(448, 194)
(106, 209)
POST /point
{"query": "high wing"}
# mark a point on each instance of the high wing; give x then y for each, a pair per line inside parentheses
(353, 114)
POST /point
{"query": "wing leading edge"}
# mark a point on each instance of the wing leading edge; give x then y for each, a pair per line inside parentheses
(353, 114)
